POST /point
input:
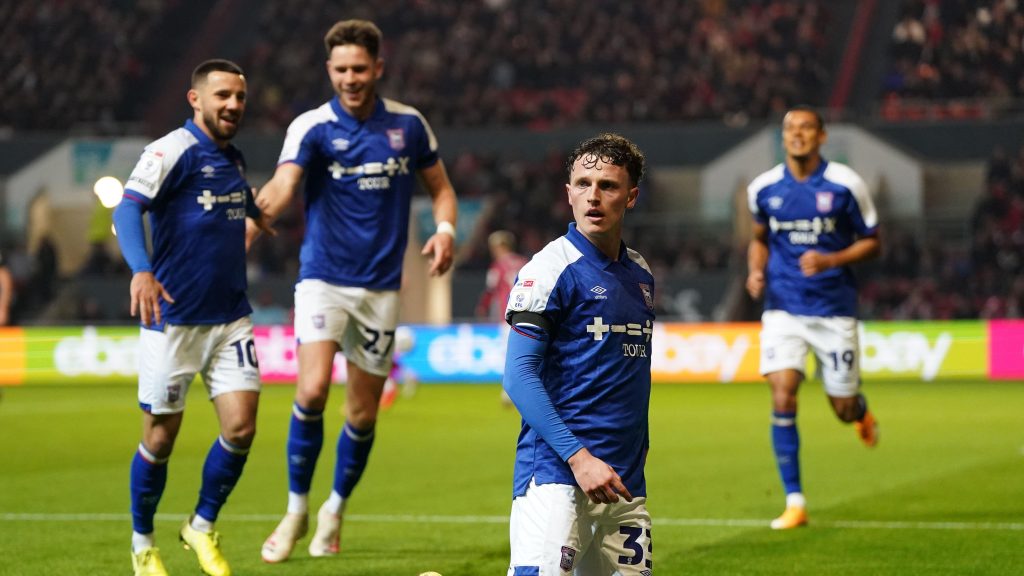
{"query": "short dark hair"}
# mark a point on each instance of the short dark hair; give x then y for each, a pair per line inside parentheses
(812, 110)
(359, 32)
(214, 65)
(611, 149)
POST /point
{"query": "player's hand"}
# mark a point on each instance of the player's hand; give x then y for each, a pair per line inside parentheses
(813, 262)
(442, 246)
(253, 227)
(146, 293)
(755, 284)
(597, 479)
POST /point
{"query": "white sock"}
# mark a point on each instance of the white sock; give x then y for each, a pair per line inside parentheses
(796, 499)
(298, 503)
(142, 541)
(335, 503)
(201, 524)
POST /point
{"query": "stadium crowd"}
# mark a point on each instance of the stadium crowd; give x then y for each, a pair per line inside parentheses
(71, 63)
(953, 53)
(524, 63)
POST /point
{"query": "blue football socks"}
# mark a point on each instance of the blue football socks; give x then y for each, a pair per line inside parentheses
(353, 453)
(786, 441)
(305, 439)
(221, 471)
(147, 480)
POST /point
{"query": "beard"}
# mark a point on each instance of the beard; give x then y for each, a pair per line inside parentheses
(212, 122)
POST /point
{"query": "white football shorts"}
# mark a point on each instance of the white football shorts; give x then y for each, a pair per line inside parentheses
(786, 340)
(223, 354)
(555, 530)
(360, 320)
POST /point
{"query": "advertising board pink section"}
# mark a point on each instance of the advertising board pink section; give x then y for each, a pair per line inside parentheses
(275, 349)
(1006, 349)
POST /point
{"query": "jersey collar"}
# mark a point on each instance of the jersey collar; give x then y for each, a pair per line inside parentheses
(204, 140)
(816, 176)
(349, 121)
(590, 251)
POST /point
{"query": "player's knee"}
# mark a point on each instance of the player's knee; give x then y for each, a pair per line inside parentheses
(845, 408)
(240, 434)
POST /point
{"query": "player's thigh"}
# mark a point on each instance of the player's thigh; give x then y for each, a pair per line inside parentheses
(544, 531)
(231, 358)
(321, 311)
(369, 339)
(168, 361)
(837, 348)
(783, 342)
(622, 541)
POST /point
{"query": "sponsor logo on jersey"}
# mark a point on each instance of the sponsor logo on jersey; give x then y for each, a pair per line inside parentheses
(208, 199)
(568, 558)
(391, 167)
(824, 201)
(396, 138)
(648, 295)
(527, 283)
(598, 328)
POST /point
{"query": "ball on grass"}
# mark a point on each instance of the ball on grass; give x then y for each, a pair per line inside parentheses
(430, 574)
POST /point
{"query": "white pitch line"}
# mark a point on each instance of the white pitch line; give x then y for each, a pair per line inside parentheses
(435, 519)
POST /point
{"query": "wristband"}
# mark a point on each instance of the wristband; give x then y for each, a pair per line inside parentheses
(445, 227)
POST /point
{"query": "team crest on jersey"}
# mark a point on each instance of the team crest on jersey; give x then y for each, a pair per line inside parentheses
(568, 558)
(318, 321)
(648, 295)
(775, 202)
(824, 201)
(396, 138)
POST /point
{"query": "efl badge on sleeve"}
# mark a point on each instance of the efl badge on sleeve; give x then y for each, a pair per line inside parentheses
(396, 138)
(648, 295)
(568, 558)
(824, 201)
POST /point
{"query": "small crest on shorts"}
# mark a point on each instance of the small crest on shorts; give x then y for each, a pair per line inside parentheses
(396, 138)
(173, 392)
(568, 557)
(318, 321)
(824, 201)
(648, 295)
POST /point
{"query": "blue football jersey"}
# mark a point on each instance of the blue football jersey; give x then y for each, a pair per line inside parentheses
(360, 178)
(196, 195)
(597, 368)
(827, 213)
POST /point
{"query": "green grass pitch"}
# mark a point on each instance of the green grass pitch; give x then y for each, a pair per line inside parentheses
(943, 494)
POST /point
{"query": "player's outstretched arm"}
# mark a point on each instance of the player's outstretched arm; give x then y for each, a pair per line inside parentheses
(279, 191)
(446, 206)
(757, 259)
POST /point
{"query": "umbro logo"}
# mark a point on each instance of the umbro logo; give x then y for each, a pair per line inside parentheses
(340, 144)
(598, 290)
(208, 171)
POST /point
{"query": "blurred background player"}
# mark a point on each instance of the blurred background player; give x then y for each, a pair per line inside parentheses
(361, 156)
(584, 300)
(192, 303)
(812, 220)
(6, 292)
(401, 377)
(501, 275)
